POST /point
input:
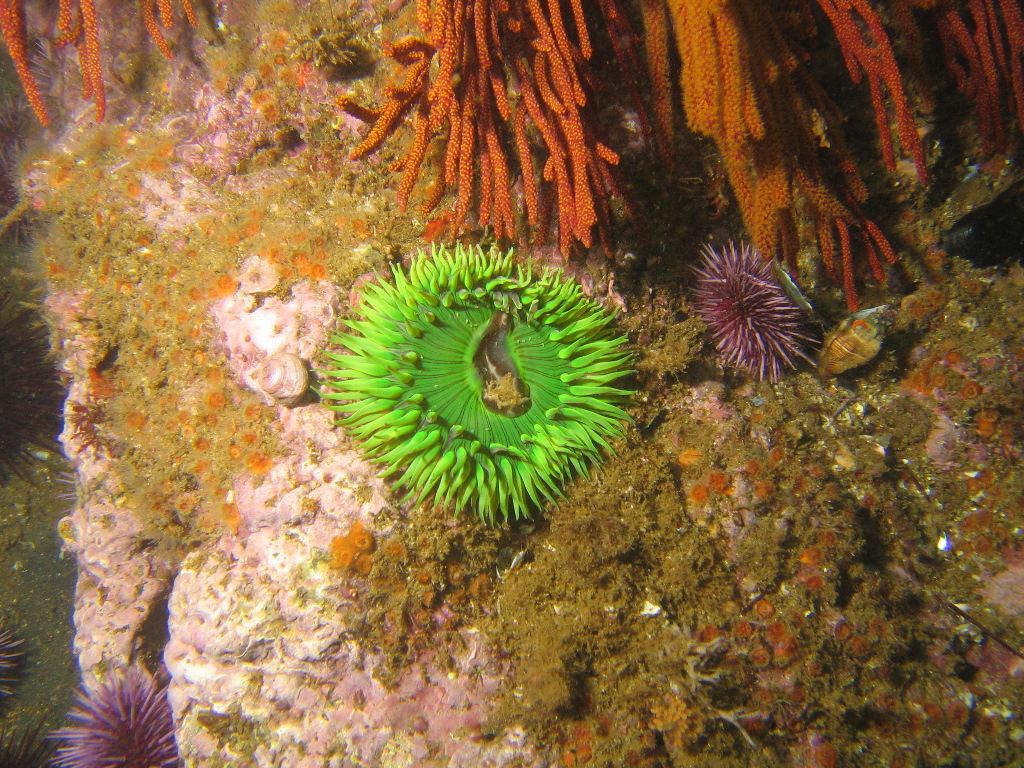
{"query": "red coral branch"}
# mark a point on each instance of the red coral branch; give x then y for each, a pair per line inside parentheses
(868, 53)
(12, 25)
(983, 44)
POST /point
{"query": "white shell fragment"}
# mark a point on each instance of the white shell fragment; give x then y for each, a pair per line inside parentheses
(650, 609)
(283, 377)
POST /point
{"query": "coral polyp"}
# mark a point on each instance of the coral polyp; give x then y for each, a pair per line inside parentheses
(477, 382)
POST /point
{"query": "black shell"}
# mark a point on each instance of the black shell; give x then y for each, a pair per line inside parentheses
(992, 233)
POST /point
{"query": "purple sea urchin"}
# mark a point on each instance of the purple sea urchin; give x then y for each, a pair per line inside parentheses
(126, 723)
(757, 327)
(30, 391)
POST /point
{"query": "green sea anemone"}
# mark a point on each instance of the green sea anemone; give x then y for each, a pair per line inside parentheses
(480, 383)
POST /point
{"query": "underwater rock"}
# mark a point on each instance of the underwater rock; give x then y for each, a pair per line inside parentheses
(263, 603)
(119, 584)
(992, 233)
(120, 581)
(264, 632)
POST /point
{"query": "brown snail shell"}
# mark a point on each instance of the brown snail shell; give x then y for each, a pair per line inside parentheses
(284, 377)
(855, 341)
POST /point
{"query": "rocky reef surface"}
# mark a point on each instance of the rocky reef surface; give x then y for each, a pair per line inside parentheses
(803, 573)
(263, 634)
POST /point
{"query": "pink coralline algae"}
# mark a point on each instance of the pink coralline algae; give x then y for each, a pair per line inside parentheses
(943, 441)
(1005, 590)
(704, 403)
(251, 335)
(264, 633)
(119, 582)
(997, 665)
(210, 139)
(120, 579)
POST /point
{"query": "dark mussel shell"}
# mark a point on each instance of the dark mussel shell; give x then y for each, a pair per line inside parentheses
(993, 233)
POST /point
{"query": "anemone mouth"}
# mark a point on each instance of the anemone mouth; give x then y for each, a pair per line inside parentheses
(503, 390)
(476, 382)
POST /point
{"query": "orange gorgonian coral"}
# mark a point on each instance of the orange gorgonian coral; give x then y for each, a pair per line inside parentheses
(745, 86)
(77, 23)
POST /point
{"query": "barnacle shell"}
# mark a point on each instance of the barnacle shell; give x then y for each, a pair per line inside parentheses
(855, 341)
(284, 377)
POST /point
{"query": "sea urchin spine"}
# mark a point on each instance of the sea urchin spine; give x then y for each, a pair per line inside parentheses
(11, 656)
(479, 383)
(756, 326)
